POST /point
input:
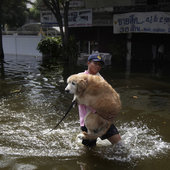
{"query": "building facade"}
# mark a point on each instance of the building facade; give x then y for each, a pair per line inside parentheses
(128, 29)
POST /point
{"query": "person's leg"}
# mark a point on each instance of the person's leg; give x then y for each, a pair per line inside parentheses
(86, 142)
(115, 139)
(112, 135)
(89, 143)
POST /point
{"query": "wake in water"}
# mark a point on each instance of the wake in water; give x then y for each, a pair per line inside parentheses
(22, 134)
(138, 142)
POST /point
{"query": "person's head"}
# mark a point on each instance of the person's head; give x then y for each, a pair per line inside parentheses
(95, 63)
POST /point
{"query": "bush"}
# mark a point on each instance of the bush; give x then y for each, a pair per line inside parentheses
(53, 50)
(50, 46)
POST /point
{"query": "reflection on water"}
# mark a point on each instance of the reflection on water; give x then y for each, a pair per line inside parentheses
(32, 101)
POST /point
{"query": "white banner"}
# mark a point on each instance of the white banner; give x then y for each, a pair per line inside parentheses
(79, 18)
(147, 22)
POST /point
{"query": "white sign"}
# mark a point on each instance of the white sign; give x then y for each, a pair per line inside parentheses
(148, 22)
(76, 3)
(47, 17)
(81, 18)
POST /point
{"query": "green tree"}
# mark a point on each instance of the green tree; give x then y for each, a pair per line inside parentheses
(13, 13)
(34, 12)
(60, 9)
(56, 6)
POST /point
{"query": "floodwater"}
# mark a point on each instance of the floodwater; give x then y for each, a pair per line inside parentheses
(32, 101)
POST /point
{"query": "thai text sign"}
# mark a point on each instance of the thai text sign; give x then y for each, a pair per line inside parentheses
(148, 22)
(80, 18)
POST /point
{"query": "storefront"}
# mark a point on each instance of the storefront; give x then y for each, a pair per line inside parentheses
(149, 37)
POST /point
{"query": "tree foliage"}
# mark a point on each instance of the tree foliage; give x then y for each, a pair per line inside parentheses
(34, 12)
(60, 9)
(13, 13)
(56, 6)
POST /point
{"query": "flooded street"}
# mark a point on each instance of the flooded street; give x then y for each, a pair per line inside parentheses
(32, 101)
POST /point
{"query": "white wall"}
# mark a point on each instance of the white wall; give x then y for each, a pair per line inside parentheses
(21, 45)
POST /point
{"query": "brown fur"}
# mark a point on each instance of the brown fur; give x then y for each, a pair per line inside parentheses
(96, 125)
(95, 92)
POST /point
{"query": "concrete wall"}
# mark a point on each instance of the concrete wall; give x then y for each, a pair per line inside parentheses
(21, 45)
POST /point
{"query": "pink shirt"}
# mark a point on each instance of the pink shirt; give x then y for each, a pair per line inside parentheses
(83, 109)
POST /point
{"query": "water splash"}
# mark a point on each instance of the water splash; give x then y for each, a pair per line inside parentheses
(26, 134)
(138, 142)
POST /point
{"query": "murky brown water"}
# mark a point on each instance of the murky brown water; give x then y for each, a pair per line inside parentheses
(32, 100)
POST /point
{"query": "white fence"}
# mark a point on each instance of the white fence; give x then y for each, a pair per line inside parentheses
(21, 44)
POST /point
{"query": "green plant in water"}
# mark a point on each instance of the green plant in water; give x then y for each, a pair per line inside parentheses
(50, 46)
